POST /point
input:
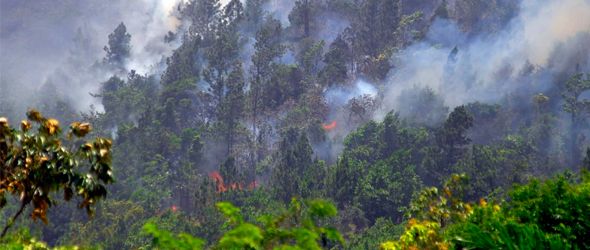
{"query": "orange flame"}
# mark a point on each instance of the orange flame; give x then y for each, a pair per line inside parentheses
(222, 188)
(218, 181)
(329, 126)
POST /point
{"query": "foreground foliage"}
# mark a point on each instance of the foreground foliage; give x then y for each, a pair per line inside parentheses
(551, 214)
(36, 164)
(300, 227)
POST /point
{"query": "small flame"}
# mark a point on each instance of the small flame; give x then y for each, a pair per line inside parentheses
(252, 185)
(218, 181)
(329, 126)
(174, 208)
(222, 188)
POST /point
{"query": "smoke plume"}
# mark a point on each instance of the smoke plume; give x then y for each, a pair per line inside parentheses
(57, 42)
(545, 40)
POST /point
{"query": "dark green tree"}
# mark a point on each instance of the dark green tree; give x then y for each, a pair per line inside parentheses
(268, 48)
(377, 22)
(254, 13)
(220, 57)
(303, 14)
(229, 171)
(293, 160)
(232, 107)
(336, 62)
(183, 64)
(119, 47)
(451, 140)
(578, 110)
(204, 16)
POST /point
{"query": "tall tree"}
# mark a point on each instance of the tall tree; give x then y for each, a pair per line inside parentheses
(337, 60)
(204, 16)
(183, 64)
(373, 35)
(268, 48)
(232, 107)
(452, 137)
(294, 159)
(220, 57)
(578, 109)
(254, 13)
(377, 23)
(302, 15)
(119, 47)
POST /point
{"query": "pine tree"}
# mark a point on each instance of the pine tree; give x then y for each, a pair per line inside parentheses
(268, 49)
(231, 110)
(222, 53)
(337, 60)
(254, 14)
(182, 64)
(119, 47)
(578, 110)
(204, 16)
(302, 15)
(452, 136)
(233, 12)
(294, 159)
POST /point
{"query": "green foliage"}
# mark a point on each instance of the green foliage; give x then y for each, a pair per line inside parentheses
(119, 47)
(387, 187)
(294, 161)
(377, 170)
(23, 240)
(102, 232)
(336, 59)
(249, 96)
(578, 109)
(495, 167)
(539, 215)
(558, 206)
(383, 230)
(166, 240)
(296, 228)
(123, 101)
(488, 228)
(303, 15)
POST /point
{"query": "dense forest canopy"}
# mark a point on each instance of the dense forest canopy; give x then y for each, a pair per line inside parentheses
(315, 124)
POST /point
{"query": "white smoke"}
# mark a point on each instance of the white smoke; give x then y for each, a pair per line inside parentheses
(280, 10)
(488, 67)
(340, 96)
(148, 46)
(37, 44)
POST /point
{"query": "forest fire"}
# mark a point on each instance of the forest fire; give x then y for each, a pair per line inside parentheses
(222, 187)
(329, 126)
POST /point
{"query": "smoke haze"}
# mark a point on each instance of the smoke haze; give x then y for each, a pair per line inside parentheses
(57, 42)
(489, 66)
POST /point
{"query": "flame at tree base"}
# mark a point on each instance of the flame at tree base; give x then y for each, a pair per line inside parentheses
(222, 188)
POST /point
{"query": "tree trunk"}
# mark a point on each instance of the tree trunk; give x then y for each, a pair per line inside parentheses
(13, 219)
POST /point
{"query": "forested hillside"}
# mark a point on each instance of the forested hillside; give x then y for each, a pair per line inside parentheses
(314, 124)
